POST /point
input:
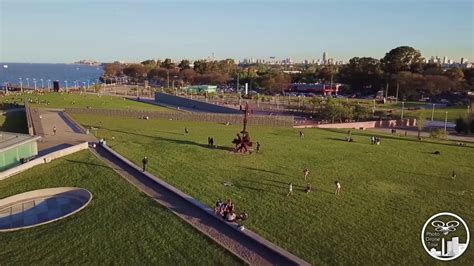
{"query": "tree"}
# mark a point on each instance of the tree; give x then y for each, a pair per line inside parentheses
(316, 102)
(149, 62)
(455, 74)
(188, 75)
(403, 58)
(135, 71)
(461, 125)
(200, 66)
(184, 64)
(363, 75)
(113, 70)
(420, 123)
(362, 112)
(168, 64)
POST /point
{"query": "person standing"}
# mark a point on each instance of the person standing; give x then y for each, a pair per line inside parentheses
(290, 189)
(301, 134)
(305, 174)
(144, 163)
(308, 187)
(186, 131)
(54, 130)
(338, 188)
(258, 147)
(453, 175)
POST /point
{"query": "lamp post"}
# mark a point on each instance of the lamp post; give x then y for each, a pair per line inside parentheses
(445, 122)
(66, 84)
(432, 112)
(21, 84)
(396, 98)
(34, 81)
(49, 84)
(27, 82)
(42, 84)
(403, 106)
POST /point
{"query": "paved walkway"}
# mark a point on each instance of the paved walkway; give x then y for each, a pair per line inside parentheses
(67, 133)
(246, 245)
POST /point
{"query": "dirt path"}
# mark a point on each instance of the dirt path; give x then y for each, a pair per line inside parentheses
(246, 245)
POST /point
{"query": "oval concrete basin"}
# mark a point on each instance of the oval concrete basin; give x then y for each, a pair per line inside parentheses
(41, 206)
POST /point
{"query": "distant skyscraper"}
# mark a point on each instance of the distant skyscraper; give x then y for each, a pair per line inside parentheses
(463, 60)
(445, 60)
(324, 58)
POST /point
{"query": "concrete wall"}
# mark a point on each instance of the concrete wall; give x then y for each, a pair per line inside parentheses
(190, 104)
(29, 120)
(43, 159)
(366, 124)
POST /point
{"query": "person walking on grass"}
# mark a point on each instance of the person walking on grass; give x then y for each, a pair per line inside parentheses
(258, 147)
(305, 174)
(453, 175)
(338, 188)
(301, 134)
(186, 131)
(54, 130)
(144, 163)
(290, 189)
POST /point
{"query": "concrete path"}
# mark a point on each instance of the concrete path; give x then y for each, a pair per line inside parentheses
(67, 134)
(246, 245)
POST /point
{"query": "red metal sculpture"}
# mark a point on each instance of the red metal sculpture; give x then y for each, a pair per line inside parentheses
(242, 141)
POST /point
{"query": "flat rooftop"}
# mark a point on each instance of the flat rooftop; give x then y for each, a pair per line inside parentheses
(9, 140)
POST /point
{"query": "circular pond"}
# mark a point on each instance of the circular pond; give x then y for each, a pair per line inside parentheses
(41, 206)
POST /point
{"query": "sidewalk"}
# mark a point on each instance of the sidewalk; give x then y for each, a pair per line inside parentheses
(67, 133)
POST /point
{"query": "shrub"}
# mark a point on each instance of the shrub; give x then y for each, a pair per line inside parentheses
(462, 125)
(439, 134)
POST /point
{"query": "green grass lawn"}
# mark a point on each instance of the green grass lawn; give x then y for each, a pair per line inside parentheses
(63, 100)
(439, 114)
(388, 191)
(14, 122)
(120, 226)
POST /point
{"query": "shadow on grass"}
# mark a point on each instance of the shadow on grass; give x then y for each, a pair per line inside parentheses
(262, 170)
(427, 175)
(87, 163)
(176, 141)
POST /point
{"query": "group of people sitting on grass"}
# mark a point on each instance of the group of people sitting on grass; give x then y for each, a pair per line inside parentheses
(374, 140)
(226, 209)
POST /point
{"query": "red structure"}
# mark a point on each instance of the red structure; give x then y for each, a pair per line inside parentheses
(242, 141)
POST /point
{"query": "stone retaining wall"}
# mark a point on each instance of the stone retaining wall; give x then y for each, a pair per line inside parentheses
(286, 121)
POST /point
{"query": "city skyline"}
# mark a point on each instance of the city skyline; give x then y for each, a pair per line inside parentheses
(54, 32)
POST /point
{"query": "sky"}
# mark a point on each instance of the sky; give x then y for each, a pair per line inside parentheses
(54, 31)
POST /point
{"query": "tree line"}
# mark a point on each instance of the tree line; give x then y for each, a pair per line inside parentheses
(402, 69)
